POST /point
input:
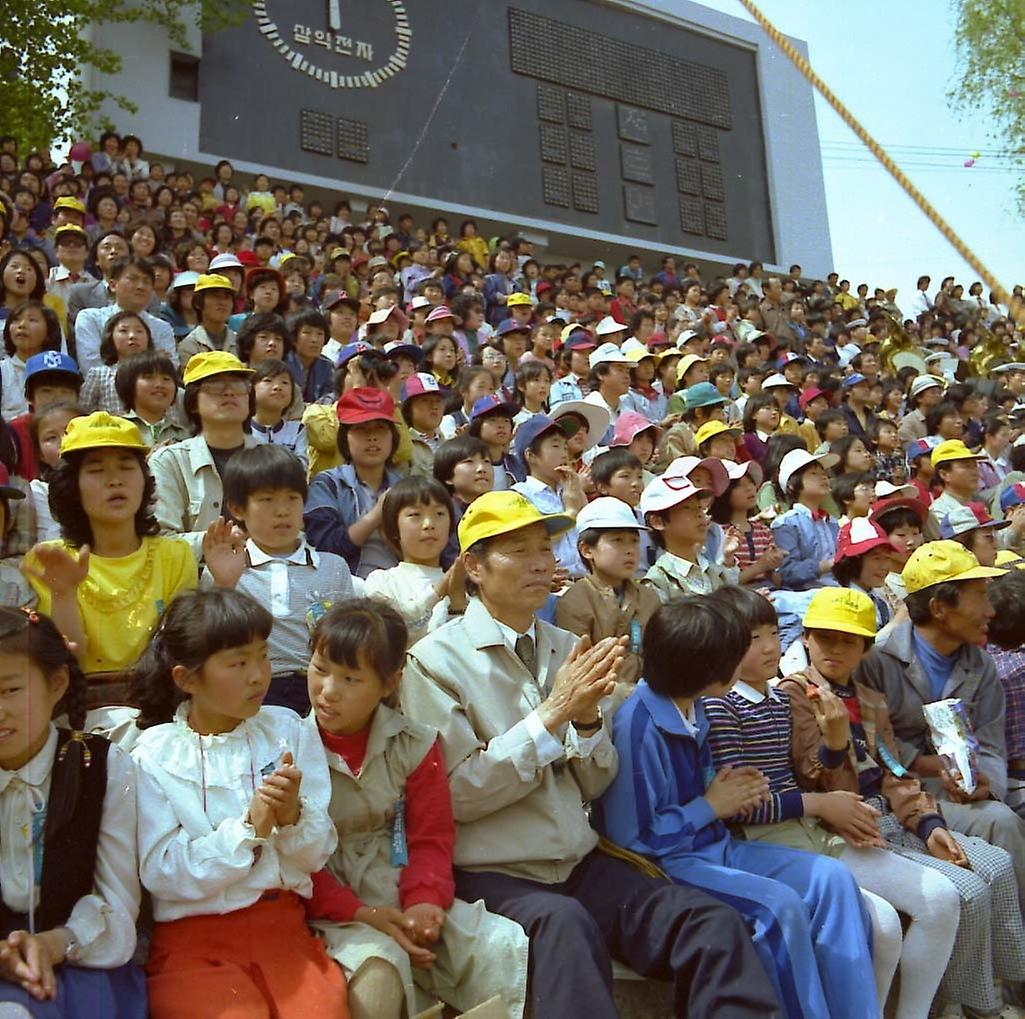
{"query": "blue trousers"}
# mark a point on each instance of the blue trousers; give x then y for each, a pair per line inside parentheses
(809, 926)
(87, 994)
(607, 910)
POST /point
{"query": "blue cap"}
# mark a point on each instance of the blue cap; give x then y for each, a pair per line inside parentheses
(923, 447)
(350, 350)
(1012, 496)
(51, 361)
(852, 380)
(510, 325)
(399, 349)
(580, 339)
(702, 394)
(491, 403)
(533, 428)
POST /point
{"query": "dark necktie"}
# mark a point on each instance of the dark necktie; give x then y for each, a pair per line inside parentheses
(525, 653)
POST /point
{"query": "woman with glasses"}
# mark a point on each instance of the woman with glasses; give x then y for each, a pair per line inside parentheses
(218, 402)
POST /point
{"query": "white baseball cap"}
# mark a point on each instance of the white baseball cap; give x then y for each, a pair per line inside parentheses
(607, 353)
(664, 493)
(797, 459)
(924, 382)
(597, 418)
(609, 325)
(737, 470)
(608, 512)
(227, 261)
(777, 380)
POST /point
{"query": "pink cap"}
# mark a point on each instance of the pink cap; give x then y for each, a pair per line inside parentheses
(629, 425)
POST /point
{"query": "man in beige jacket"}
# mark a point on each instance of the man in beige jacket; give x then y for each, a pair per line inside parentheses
(517, 704)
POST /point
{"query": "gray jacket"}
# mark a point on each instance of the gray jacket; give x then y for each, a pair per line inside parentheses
(892, 668)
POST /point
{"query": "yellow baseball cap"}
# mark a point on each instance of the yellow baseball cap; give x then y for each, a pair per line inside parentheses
(710, 429)
(213, 362)
(841, 609)
(687, 362)
(69, 202)
(518, 299)
(952, 449)
(101, 431)
(1007, 558)
(939, 562)
(496, 513)
(70, 230)
(213, 281)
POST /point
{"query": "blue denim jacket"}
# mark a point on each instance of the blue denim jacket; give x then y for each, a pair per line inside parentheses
(807, 542)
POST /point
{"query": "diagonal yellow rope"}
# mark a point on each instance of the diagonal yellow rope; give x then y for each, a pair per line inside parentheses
(1002, 296)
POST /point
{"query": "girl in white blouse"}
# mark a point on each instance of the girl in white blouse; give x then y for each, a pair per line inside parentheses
(69, 894)
(417, 521)
(228, 835)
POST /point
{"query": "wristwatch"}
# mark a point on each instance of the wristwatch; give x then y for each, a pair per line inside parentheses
(589, 728)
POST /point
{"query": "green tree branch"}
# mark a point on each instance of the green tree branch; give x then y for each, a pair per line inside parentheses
(45, 46)
(989, 39)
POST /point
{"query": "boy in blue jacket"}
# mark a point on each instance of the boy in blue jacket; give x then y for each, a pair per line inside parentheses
(667, 803)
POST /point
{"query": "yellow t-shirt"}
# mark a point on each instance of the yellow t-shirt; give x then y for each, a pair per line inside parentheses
(122, 600)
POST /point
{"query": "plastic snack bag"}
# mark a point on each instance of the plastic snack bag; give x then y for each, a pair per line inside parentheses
(954, 740)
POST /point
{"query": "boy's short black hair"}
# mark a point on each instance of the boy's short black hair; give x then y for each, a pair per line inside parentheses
(307, 317)
(1007, 596)
(826, 418)
(755, 608)
(120, 265)
(263, 321)
(842, 488)
(262, 467)
(616, 459)
(146, 362)
(899, 516)
(271, 368)
(412, 491)
(455, 451)
(693, 629)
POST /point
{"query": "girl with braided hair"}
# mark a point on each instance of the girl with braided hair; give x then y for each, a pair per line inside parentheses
(69, 897)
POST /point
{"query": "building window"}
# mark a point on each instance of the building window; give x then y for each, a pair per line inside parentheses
(184, 82)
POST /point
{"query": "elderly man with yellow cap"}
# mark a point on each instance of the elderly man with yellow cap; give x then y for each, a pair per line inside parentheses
(213, 300)
(218, 393)
(957, 470)
(517, 703)
(937, 655)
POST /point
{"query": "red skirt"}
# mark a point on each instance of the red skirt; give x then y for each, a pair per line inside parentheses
(261, 962)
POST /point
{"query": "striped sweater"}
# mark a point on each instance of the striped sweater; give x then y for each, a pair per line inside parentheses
(749, 728)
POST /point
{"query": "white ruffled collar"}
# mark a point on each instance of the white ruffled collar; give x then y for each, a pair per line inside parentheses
(218, 759)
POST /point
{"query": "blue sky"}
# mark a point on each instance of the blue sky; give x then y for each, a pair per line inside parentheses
(891, 62)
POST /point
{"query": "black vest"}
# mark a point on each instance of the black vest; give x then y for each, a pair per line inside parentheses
(69, 854)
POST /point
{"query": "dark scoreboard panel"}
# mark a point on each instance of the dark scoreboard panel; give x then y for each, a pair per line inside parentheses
(566, 111)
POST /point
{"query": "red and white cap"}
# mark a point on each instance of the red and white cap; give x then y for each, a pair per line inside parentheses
(860, 536)
(420, 384)
(684, 466)
(664, 493)
(440, 313)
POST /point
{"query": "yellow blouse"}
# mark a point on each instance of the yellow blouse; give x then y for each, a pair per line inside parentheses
(122, 600)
